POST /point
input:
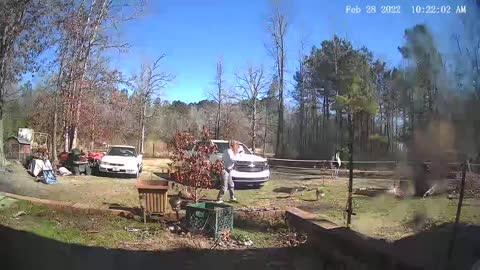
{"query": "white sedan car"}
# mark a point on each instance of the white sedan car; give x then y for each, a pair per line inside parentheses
(122, 159)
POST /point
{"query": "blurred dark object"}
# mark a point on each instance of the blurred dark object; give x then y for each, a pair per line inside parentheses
(77, 162)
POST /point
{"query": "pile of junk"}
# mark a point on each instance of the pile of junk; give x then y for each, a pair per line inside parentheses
(40, 166)
(75, 162)
(78, 162)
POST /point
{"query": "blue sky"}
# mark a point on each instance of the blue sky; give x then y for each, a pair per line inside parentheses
(194, 33)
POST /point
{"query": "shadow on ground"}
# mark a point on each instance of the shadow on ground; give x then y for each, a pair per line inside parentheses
(115, 206)
(428, 249)
(23, 250)
(112, 175)
(288, 190)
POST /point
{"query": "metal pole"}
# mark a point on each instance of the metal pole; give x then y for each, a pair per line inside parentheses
(457, 217)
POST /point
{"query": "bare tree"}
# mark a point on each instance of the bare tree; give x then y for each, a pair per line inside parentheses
(57, 90)
(25, 28)
(277, 28)
(87, 31)
(253, 85)
(218, 95)
(150, 82)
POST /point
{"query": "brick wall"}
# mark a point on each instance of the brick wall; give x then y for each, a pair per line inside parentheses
(345, 248)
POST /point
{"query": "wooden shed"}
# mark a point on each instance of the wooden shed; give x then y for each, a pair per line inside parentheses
(17, 148)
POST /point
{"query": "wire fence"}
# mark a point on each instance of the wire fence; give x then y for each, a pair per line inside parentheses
(383, 169)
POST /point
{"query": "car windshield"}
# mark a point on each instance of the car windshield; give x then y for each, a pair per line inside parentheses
(245, 149)
(122, 151)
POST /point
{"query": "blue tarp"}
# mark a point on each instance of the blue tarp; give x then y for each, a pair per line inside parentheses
(48, 177)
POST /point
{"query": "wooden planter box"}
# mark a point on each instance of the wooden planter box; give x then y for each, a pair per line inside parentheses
(153, 196)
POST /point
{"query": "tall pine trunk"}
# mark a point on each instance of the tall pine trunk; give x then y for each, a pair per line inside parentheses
(350, 175)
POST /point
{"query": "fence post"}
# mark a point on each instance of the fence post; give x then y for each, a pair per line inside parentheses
(153, 150)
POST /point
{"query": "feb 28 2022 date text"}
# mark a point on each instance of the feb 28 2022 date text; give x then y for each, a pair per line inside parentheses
(398, 9)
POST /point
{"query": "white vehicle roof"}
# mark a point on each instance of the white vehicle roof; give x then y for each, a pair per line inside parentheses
(223, 141)
(123, 146)
(219, 141)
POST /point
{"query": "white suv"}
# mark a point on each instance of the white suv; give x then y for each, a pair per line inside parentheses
(249, 170)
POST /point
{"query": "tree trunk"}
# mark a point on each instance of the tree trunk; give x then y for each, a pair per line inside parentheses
(302, 120)
(55, 110)
(388, 131)
(350, 175)
(254, 125)
(142, 128)
(278, 147)
(281, 106)
(217, 121)
(54, 135)
(404, 116)
(266, 130)
(2, 153)
(91, 40)
(66, 130)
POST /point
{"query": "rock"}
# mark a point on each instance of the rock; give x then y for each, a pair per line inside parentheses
(171, 228)
(452, 196)
(19, 214)
(248, 243)
(131, 229)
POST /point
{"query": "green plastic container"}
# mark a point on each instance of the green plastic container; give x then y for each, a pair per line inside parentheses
(211, 218)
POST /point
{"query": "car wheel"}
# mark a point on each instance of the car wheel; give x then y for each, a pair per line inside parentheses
(135, 175)
(76, 170)
(88, 170)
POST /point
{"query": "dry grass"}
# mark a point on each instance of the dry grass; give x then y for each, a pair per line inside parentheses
(155, 164)
(111, 231)
(382, 217)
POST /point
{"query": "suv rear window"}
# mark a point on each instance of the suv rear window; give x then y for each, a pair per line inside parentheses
(222, 147)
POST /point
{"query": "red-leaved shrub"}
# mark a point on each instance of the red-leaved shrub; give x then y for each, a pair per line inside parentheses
(190, 161)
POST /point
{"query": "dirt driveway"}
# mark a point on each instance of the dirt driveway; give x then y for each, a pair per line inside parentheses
(94, 191)
(103, 192)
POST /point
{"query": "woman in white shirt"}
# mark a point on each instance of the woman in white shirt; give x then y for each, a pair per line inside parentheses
(336, 164)
(228, 162)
